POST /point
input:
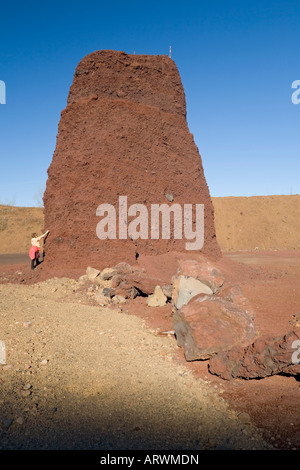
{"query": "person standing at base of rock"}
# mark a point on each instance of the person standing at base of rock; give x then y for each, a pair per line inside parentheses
(34, 251)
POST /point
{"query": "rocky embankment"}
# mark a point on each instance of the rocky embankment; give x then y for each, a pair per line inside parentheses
(83, 376)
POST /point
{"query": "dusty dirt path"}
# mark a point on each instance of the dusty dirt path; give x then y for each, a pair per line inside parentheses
(79, 376)
(14, 258)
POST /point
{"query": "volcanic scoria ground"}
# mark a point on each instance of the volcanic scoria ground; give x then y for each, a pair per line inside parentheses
(83, 376)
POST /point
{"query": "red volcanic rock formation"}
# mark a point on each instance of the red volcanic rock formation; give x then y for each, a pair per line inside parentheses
(266, 356)
(123, 133)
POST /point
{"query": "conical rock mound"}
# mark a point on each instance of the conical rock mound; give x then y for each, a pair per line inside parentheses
(122, 137)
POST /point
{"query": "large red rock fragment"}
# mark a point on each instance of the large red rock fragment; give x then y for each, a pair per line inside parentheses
(123, 133)
(203, 270)
(266, 356)
(233, 293)
(208, 325)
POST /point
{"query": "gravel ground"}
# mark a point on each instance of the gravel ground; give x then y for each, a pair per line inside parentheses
(80, 376)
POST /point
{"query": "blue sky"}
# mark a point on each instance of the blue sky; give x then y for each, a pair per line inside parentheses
(237, 60)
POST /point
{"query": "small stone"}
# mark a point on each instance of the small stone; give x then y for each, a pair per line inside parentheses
(167, 290)
(20, 420)
(27, 387)
(101, 299)
(157, 299)
(118, 299)
(92, 273)
(211, 443)
(25, 393)
(245, 418)
(136, 428)
(169, 197)
(107, 291)
(7, 422)
(185, 288)
(26, 324)
(121, 93)
(107, 273)
(44, 362)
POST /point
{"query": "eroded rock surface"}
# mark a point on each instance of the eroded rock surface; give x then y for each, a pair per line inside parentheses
(208, 325)
(264, 357)
(123, 133)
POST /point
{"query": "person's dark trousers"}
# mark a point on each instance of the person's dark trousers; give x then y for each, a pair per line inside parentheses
(35, 261)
